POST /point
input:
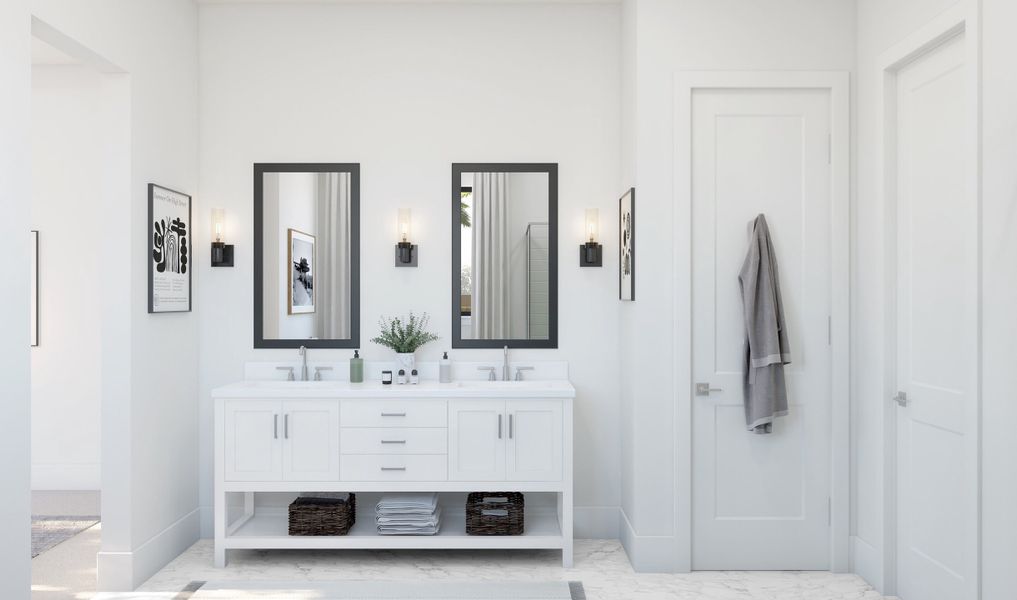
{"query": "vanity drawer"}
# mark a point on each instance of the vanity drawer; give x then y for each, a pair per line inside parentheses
(393, 413)
(382, 467)
(393, 440)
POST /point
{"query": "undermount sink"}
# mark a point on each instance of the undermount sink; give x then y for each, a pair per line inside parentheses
(506, 385)
(291, 385)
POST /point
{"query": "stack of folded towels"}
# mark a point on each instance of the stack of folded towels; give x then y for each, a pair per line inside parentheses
(408, 514)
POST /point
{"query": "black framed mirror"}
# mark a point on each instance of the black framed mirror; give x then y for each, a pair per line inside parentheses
(307, 255)
(504, 255)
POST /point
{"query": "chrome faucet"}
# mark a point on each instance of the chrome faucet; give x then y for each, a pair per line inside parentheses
(505, 367)
(303, 365)
(490, 372)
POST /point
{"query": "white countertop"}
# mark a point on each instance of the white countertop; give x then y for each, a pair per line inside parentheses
(375, 389)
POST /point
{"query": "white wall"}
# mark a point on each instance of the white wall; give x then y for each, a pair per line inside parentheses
(662, 37)
(406, 90)
(15, 120)
(150, 446)
(999, 289)
(66, 210)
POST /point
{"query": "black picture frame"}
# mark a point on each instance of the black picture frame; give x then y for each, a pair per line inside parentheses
(627, 245)
(551, 169)
(36, 328)
(259, 247)
(149, 245)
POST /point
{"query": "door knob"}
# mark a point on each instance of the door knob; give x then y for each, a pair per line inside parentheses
(901, 399)
(704, 389)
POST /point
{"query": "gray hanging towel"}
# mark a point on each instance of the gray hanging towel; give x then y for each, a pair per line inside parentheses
(766, 347)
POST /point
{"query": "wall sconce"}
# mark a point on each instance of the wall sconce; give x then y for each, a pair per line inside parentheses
(406, 251)
(222, 253)
(591, 254)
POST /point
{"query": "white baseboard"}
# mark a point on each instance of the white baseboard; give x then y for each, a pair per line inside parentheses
(647, 553)
(65, 476)
(867, 562)
(125, 571)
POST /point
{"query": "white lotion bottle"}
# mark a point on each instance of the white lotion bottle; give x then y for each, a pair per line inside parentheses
(445, 369)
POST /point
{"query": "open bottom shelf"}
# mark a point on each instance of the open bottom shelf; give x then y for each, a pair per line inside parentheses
(268, 530)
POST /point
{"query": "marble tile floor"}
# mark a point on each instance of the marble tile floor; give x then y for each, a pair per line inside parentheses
(601, 565)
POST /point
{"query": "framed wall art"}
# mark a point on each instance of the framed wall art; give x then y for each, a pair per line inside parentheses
(301, 272)
(169, 249)
(34, 290)
(627, 245)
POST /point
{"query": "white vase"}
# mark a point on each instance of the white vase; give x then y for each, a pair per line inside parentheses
(405, 361)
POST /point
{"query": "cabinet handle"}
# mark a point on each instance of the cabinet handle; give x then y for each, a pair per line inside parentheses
(286, 426)
(393, 441)
(499, 427)
(510, 426)
(393, 468)
(275, 427)
(385, 414)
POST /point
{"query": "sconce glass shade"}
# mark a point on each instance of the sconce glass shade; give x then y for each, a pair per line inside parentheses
(592, 224)
(222, 253)
(405, 232)
(218, 223)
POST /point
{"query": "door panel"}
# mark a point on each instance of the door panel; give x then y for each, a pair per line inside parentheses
(253, 440)
(534, 446)
(477, 439)
(760, 501)
(935, 324)
(311, 440)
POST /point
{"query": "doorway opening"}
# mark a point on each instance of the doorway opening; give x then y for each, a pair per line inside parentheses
(80, 148)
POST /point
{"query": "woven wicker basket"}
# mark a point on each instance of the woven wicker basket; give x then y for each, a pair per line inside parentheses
(494, 513)
(322, 516)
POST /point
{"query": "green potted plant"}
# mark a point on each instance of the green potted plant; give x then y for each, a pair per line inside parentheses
(404, 336)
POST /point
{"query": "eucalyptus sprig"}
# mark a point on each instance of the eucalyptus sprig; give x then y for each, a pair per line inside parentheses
(404, 335)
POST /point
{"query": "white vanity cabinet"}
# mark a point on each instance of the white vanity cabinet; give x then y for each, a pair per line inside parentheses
(506, 440)
(293, 437)
(281, 440)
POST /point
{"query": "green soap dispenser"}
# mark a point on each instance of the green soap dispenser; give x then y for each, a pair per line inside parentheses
(356, 368)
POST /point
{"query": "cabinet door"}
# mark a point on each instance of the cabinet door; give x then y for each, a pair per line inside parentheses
(253, 440)
(534, 440)
(477, 440)
(310, 432)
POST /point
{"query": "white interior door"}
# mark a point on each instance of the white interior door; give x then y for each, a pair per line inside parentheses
(936, 325)
(761, 501)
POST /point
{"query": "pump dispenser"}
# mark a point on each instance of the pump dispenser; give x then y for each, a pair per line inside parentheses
(445, 369)
(356, 368)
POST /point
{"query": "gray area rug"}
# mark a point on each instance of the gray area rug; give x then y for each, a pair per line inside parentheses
(50, 531)
(384, 590)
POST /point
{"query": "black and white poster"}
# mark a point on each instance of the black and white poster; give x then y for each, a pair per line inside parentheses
(170, 250)
(627, 245)
(301, 272)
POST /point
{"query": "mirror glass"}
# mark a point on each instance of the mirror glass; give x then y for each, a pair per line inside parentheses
(306, 255)
(504, 255)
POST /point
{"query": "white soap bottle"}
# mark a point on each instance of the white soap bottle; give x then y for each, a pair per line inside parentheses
(445, 369)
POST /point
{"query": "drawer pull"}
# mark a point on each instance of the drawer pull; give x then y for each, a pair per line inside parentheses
(393, 468)
(393, 441)
(385, 414)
